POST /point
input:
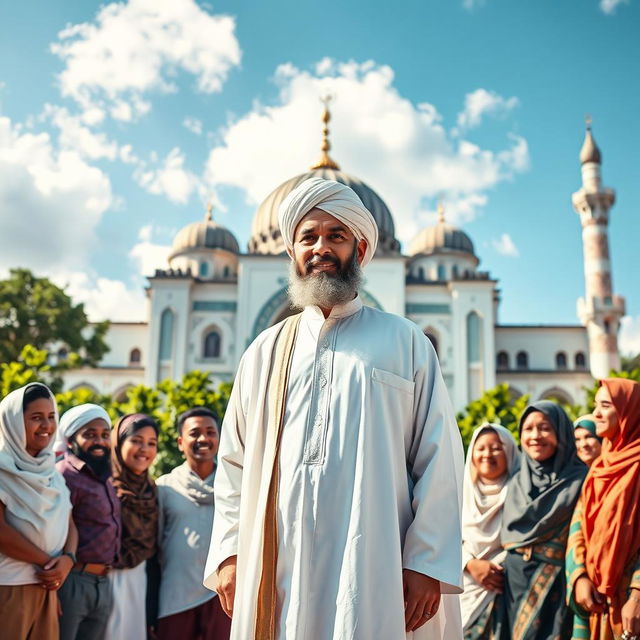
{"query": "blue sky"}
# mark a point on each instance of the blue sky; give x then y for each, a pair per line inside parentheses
(119, 121)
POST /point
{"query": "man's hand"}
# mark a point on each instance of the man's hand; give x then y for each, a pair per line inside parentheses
(226, 586)
(488, 574)
(421, 598)
(55, 572)
(631, 613)
(586, 595)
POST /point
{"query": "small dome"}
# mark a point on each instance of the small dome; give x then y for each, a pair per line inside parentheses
(441, 238)
(590, 151)
(206, 234)
(265, 233)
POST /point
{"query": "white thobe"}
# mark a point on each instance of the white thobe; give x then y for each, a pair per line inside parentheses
(370, 480)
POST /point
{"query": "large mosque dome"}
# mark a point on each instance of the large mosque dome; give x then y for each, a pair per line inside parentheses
(441, 238)
(205, 234)
(265, 232)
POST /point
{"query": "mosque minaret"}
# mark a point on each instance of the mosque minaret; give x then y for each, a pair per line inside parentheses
(599, 311)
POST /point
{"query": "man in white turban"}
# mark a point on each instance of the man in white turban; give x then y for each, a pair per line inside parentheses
(86, 598)
(338, 488)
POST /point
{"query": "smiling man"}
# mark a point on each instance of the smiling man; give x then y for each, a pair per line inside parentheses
(339, 483)
(84, 435)
(185, 502)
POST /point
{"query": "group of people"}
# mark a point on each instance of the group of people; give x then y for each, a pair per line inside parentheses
(343, 507)
(551, 537)
(90, 545)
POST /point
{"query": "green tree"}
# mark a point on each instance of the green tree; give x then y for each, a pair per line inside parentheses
(34, 311)
(495, 405)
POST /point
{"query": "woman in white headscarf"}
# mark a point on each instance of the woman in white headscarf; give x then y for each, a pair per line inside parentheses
(37, 537)
(492, 458)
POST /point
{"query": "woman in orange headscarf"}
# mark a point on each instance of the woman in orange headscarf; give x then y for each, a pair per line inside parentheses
(603, 555)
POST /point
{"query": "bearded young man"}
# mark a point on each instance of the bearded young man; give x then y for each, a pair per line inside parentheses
(84, 434)
(339, 483)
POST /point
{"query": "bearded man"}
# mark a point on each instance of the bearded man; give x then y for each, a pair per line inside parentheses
(338, 489)
(84, 434)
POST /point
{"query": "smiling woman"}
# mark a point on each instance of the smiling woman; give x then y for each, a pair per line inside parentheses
(36, 531)
(537, 511)
(134, 447)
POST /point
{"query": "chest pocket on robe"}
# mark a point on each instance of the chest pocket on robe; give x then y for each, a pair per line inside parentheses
(392, 401)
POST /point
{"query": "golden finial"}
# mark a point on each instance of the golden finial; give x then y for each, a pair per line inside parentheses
(326, 162)
(208, 216)
(440, 211)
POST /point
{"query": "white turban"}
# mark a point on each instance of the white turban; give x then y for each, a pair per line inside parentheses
(337, 200)
(73, 420)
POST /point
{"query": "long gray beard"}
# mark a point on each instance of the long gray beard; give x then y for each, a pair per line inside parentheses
(324, 289)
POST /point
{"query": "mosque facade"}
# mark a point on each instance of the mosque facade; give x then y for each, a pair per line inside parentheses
(214, 299)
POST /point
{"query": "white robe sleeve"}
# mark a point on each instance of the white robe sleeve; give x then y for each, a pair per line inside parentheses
(228, 483)
(435, 462)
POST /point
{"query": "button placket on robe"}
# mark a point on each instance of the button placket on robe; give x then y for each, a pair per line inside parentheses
(317, 420)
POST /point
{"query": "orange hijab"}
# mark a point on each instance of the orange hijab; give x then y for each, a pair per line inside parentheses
(611, 496)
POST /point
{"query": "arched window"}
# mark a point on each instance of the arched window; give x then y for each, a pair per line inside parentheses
(135, 356)
(474, 338)
(166, 335)
(62, 354)
(561, 360)
(226, 272)
(433, 339)
(502, 361)
(581, 361)
(212, 344)
(522, 360)
(421, 274)
(607, 327)
(454, 272)
(204, 269)
(442, 274)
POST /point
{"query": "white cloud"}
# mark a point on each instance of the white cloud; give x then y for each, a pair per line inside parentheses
(193, 124)
(171, 179)
(629, 339)
(609, 6)
(137, 47)
(104, 298)
(147, 255)
(51, 201)
(505, 246)
(74, 135)
(481, 102)
(399, 148)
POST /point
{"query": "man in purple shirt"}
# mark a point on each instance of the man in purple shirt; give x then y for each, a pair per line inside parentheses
(86, 598)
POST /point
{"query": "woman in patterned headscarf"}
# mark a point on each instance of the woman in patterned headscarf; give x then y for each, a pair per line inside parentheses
(540, 500)
(134, 447)
(603, 558)
(588, 443)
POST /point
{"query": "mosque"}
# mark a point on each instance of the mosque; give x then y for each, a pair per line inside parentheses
(214, 299)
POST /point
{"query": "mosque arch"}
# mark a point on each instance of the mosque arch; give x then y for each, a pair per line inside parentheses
(167, 321)
(580, 361)
(120, 394)
(475, 356)
(212, 342)
(556, 394)
(85, 385)
(278, 307)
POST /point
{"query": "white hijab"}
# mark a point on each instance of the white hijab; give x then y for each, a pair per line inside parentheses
(34, 493)
(481, 521)
(337, 200)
